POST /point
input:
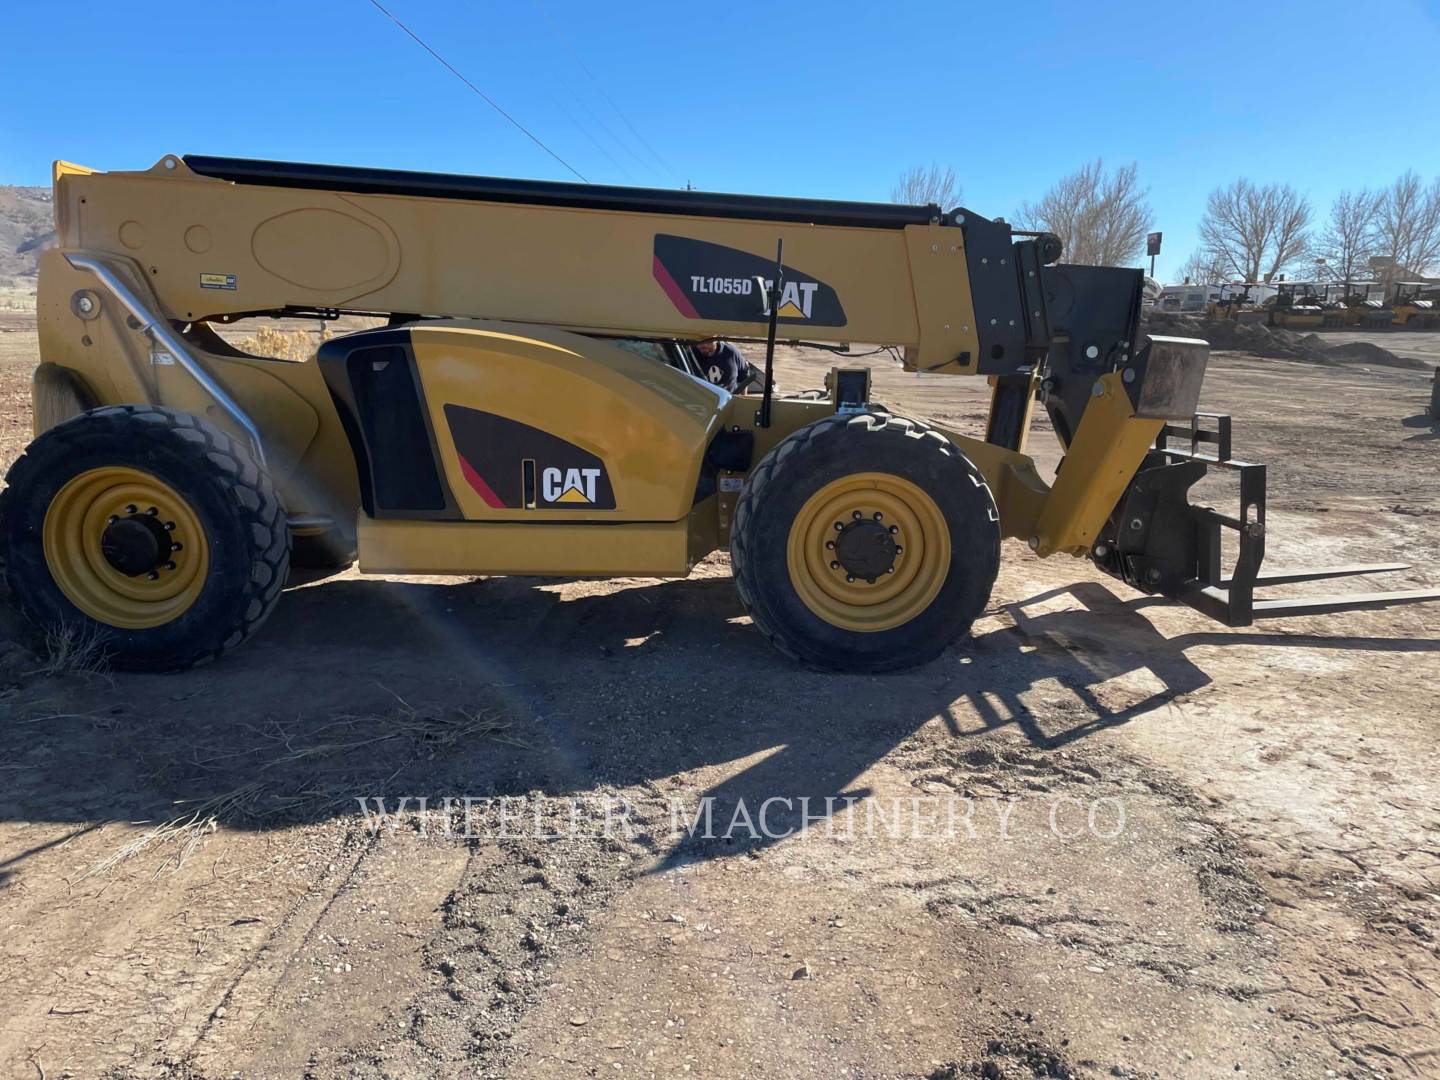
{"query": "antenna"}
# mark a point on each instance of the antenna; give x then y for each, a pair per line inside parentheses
(773, 299)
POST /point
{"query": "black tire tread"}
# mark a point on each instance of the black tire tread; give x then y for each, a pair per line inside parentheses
(246, 482)
(774, 469)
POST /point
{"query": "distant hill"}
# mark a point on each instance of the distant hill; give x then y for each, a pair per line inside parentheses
(26, 225)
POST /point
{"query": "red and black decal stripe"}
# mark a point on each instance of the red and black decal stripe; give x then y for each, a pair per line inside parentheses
(493, 452)
(712, 281)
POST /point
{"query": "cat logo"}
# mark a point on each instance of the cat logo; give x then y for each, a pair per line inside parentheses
(797, 298)
(569, 485)
(501, 461)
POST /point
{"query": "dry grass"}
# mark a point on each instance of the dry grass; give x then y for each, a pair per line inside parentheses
(75, 650)
(188, 830)
(284, 344)
(18, 297)
(390, 735)
(296, 343)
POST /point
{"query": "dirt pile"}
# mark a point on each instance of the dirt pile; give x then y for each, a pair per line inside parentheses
(1272, 341)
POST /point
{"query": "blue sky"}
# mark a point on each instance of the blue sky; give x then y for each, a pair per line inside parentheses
(827, 100)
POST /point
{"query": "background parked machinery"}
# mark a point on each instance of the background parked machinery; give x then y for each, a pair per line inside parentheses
(1297, 305)
(1334, 309)
(1414, 304)
(1363, 303)
(1238, 302)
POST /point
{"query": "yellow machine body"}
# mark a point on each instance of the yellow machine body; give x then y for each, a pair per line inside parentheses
(200, 251)
(526, 400)
(527, 404)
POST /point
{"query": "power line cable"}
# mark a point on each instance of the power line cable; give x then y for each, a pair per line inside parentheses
(593, 140)
(580, 61)
(608, 130)
(587, 102)
(484, 96)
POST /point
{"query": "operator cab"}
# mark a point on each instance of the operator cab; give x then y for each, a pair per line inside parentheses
(1420, 294)
(1415, 304)
(676, 354)
(682, 356)
(1298, 295)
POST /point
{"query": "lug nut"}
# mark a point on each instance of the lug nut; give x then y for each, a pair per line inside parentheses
(894, 529)
(856, 515)
(152, 512)
(839, 526)
(829, 545)
(849, 579)
(879, 516)
(899, 550)
(889, 570)
(132, 509)
(169, 526)
(870, 581)
(834, 565)
(111, 520)
(175, 545)
(170, 565)
(154, 575)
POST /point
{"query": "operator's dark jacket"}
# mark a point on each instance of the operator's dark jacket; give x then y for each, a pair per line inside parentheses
(727, 368)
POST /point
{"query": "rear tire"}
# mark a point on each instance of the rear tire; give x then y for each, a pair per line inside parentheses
(853, 496)
(147, 529)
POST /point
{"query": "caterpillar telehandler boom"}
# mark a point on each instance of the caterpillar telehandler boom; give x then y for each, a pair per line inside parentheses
(493, 426)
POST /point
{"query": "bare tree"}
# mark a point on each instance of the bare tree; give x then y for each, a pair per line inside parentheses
(1253, 231)
(1203, 268)
(1407, 225)
(1102, 220)
(922, 187)
(1348, 241)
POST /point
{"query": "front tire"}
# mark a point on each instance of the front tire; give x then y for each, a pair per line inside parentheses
(865, 543)
(148, 529)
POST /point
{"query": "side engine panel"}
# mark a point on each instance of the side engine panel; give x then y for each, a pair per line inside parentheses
(486, 421)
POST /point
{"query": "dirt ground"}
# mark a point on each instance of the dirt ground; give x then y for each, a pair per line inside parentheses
(1113, 839)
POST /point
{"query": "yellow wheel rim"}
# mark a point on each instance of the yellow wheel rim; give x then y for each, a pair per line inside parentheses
(827, 530)
(125, 548)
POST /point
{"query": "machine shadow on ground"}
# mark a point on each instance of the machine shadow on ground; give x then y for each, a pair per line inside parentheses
(1428, 426)
(501, 687)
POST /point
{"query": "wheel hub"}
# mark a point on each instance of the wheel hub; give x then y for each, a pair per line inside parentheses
(865, 549)
(868, 551)
(136, 544)
(125, 547)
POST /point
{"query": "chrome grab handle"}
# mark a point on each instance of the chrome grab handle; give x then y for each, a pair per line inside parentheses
(160, 332)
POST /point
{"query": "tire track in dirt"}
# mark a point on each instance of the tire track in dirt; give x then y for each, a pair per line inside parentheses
(522, 907)
(270, 962)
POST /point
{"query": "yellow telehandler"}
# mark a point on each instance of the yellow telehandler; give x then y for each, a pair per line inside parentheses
(495, 424)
